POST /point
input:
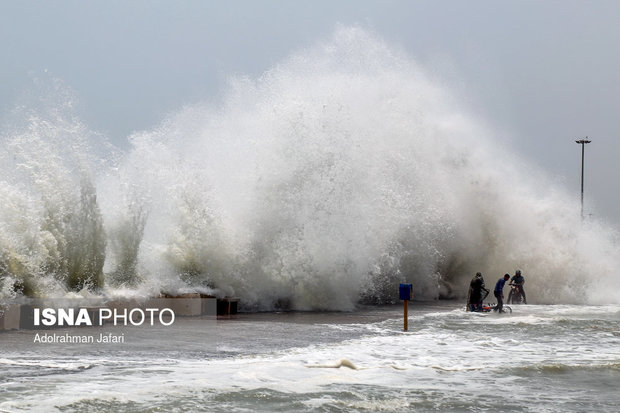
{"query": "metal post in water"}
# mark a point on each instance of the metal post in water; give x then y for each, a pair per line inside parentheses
(582, 142)
(405, 293)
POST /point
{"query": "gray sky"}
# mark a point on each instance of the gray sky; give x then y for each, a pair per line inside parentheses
(543, 72)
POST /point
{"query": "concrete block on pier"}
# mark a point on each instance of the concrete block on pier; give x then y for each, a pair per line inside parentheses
(26, 317)
(208, 306)
(9, 317)
(185, 304)
(227, 306)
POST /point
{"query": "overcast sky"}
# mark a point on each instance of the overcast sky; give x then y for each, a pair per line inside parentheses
(544, 73)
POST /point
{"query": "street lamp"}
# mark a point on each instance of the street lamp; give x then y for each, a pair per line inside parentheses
(582, 142)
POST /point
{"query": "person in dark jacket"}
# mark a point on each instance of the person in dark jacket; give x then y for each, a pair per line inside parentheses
(518, 280)
(499, 292)
(476, 287)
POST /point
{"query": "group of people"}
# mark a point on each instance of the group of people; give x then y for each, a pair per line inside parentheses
(478, 292)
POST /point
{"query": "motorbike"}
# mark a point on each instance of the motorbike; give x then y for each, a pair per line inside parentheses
(515, 296)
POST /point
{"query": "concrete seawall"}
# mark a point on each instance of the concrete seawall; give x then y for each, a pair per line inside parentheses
(21, 316)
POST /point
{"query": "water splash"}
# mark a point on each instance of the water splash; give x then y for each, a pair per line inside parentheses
(328, 180)
(52, 228)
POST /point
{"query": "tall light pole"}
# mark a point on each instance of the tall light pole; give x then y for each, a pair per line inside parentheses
(582, 142)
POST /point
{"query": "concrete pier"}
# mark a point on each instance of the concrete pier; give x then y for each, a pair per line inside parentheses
(9, 317)
(22, 316)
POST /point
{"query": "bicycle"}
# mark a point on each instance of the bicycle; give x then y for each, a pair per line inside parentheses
(487, 308)
(515, 296)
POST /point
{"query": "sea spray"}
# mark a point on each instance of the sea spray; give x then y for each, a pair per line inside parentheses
(52, 217)
(345, 170)
(337, 174)
(125, 217)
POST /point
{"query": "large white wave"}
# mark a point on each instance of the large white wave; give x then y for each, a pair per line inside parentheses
(334, 176)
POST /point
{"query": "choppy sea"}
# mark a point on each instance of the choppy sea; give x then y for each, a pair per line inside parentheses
(540, 358)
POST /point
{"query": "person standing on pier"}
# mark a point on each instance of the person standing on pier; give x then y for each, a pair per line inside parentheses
(518, 280)
(499, 292)
(476, 287)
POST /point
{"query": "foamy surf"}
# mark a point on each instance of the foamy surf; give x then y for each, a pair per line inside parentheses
(545, 358)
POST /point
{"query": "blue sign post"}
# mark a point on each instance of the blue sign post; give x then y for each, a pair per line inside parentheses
(406, 293)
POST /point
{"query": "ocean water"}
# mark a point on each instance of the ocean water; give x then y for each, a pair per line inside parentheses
(540, 358)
